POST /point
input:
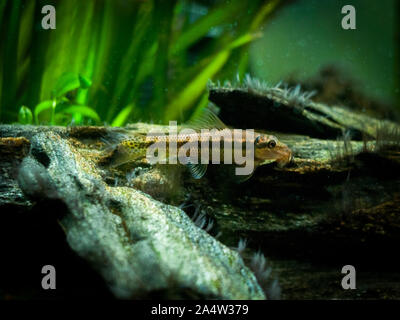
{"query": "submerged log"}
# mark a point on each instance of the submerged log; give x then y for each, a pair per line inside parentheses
(338, 201)
(289, 110)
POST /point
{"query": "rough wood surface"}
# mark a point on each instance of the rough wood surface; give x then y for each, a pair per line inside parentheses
(336, 204)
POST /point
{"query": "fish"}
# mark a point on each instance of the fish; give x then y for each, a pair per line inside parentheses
(206, 133)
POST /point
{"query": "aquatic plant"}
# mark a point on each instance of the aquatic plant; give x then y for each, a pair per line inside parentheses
(343, 153)
(119, 61)
(386, 144)
(242, 244)
(262, 271)
(200, 219)
(281, 91)
(387, 138)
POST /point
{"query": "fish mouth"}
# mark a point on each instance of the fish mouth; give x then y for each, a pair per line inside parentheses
(268, 161)
(283, 162)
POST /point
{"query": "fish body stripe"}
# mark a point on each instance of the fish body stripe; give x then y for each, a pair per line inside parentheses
(214, 143)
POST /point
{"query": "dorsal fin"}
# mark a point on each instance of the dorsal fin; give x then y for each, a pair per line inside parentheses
(207, 120)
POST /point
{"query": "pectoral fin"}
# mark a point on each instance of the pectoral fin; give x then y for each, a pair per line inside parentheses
(197, 170)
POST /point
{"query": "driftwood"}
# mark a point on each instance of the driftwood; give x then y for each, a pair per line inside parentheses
(337, 204)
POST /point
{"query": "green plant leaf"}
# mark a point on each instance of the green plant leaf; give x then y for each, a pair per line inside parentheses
(84, 111)
(62, 119)
(25, 115)
(85, 82)
(67, 82)
(127, 81)
(44, 105)
(263, 12)
(164, 12)
(122, 116)
(142, 60)
(196, 87)
(218, 15)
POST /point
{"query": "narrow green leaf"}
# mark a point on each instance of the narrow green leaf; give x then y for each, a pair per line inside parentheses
(122, 116)
(163, 14)
(137, 51)
(196, 87)
(67, 82)
(84, 111)
(257, 13)
(264, 12)
(246, 38)
(25, 115)
(53, 112)
(85, 82)
(62, 119)
(44, 105)
(39, 61)
(217, 16)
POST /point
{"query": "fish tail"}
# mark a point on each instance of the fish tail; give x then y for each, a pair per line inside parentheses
(122, 155)
(116, 152)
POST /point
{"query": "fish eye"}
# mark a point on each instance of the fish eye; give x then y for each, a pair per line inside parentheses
(271, 144)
